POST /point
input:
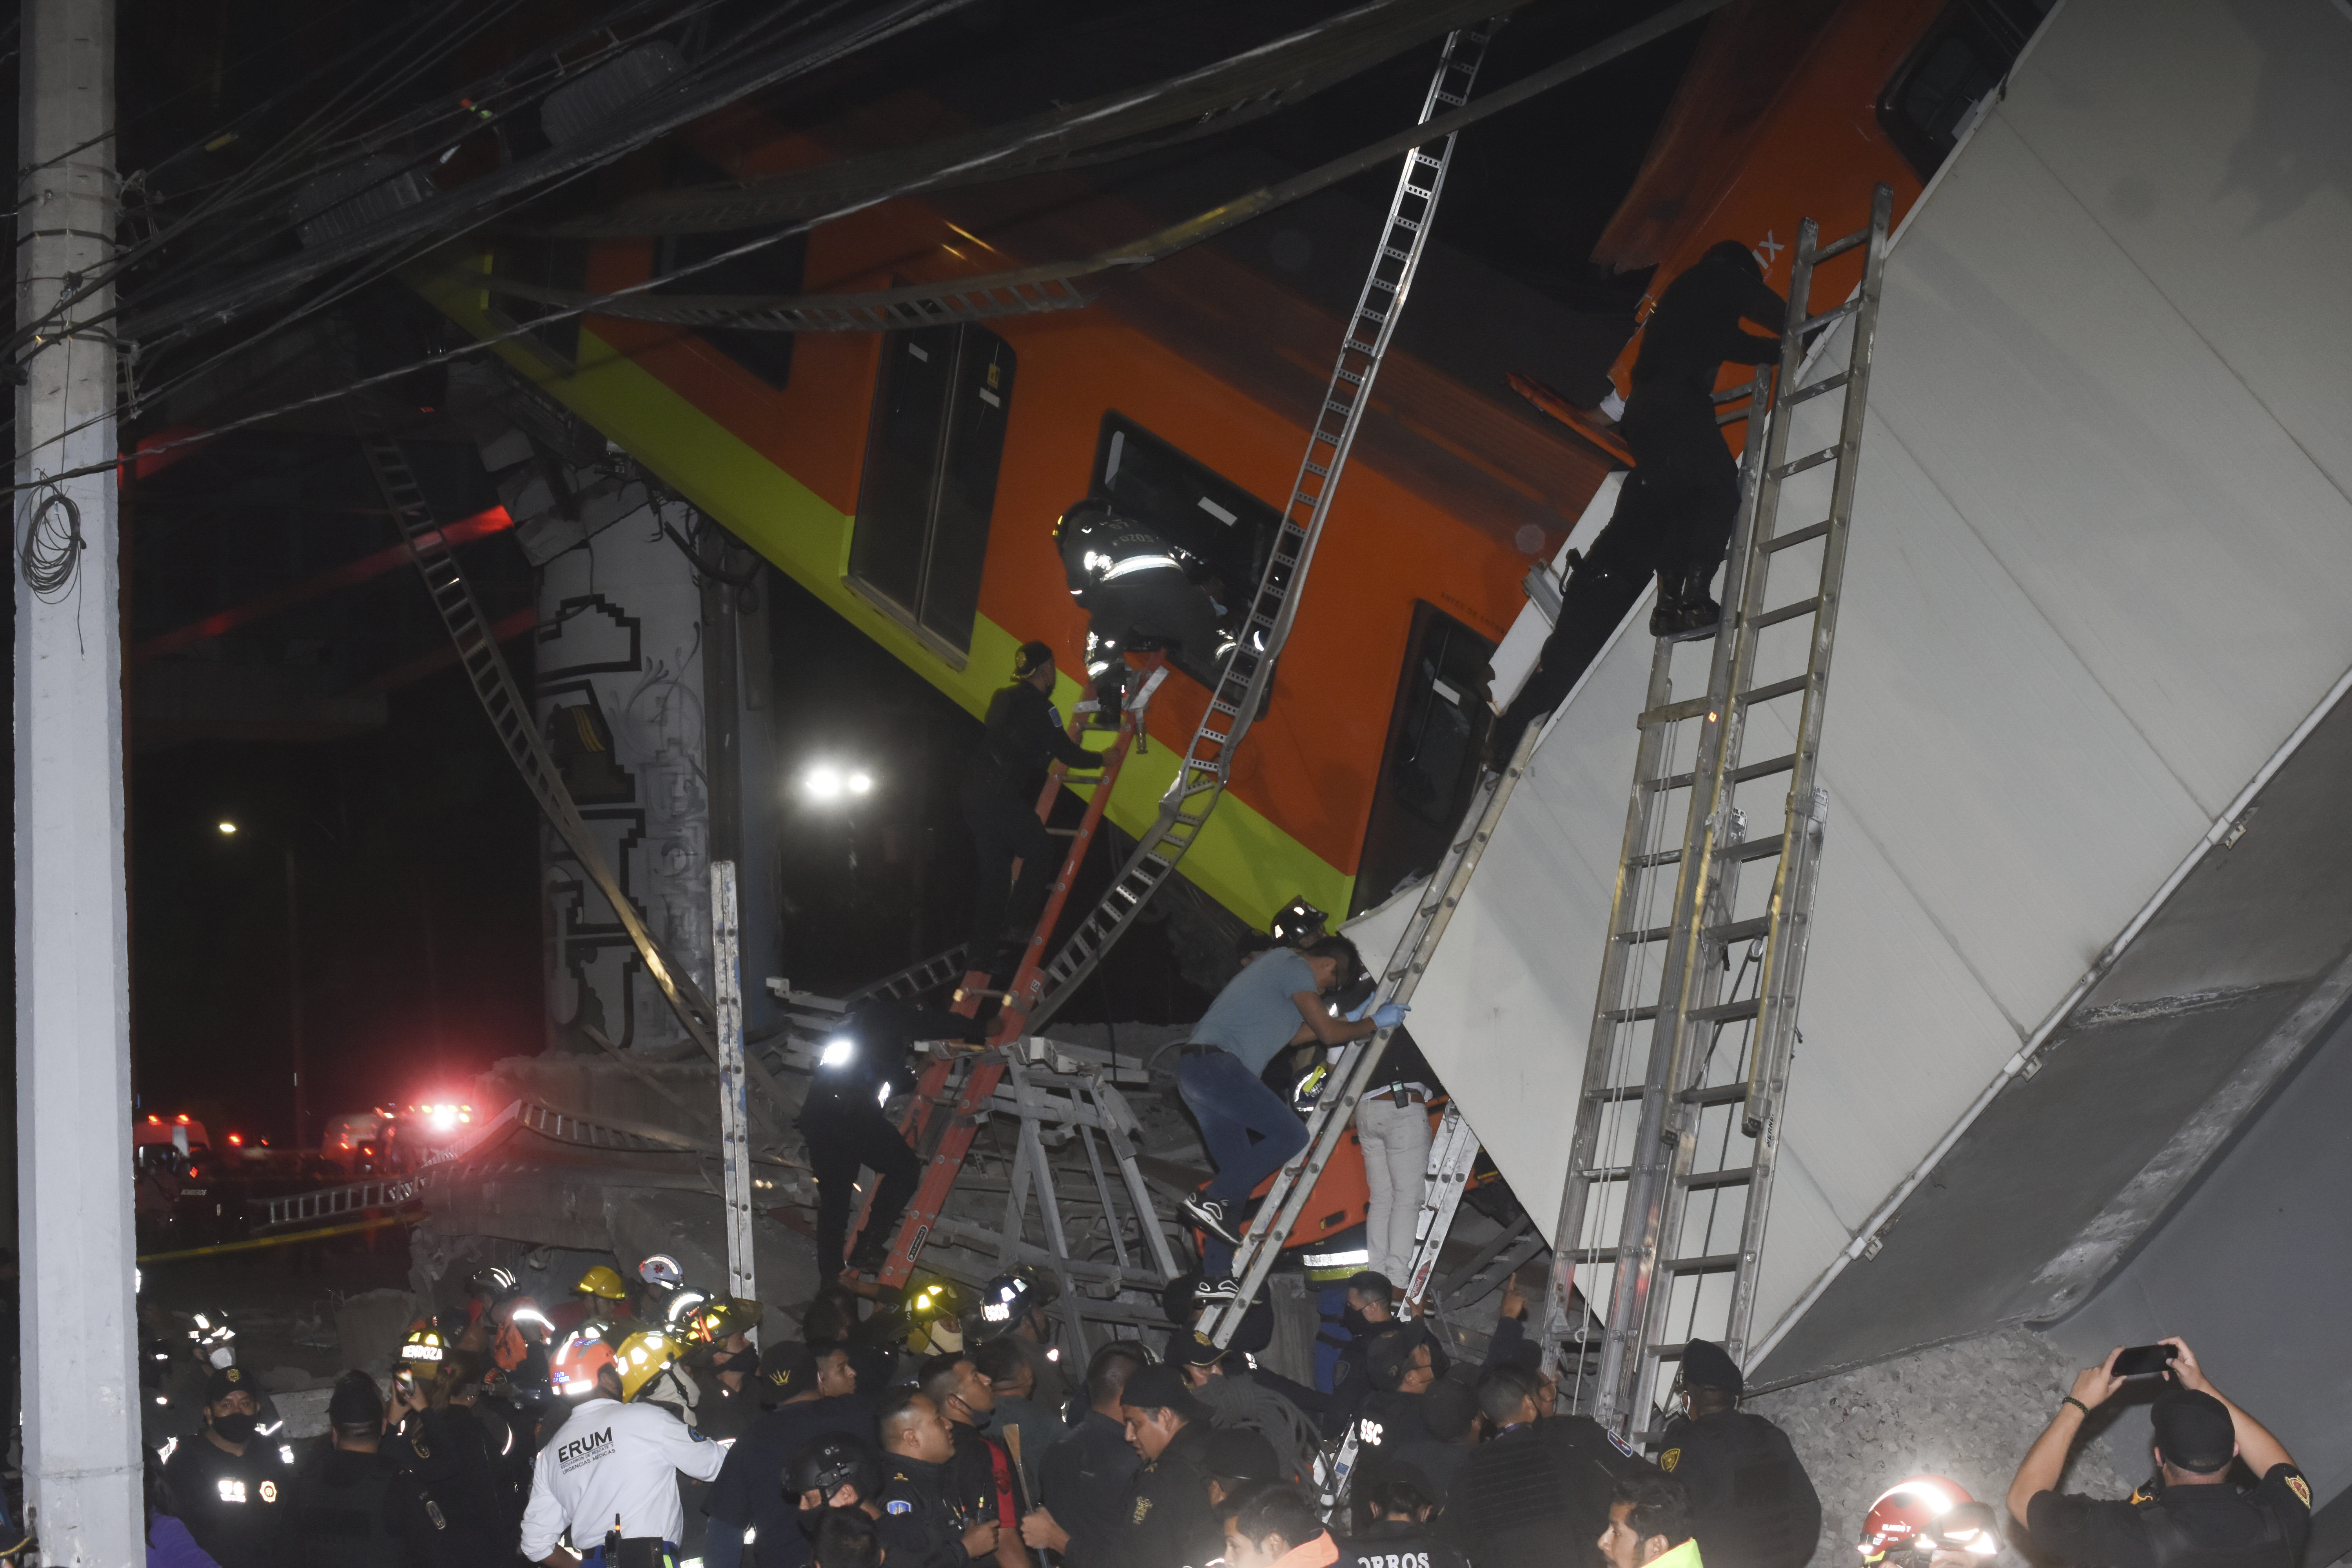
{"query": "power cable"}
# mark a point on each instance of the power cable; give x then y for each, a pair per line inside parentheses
(1259, 202)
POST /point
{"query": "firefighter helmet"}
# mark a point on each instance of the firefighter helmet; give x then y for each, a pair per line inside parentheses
(644, 1356)
(1914, 1519)
(424, 1344)
(577, 1361)
(603, 1283)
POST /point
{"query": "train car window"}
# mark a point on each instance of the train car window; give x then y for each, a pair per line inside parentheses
(1185, 501)
(1961, 58)
(1430, 761)
(777, 269)
(932, 452)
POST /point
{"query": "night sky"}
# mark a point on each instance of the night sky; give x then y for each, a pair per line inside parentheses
(414, 843)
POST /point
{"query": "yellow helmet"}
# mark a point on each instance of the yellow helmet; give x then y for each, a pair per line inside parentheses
(716, 1320)
(603, 1283)
(424, 1344)
(641, 1358)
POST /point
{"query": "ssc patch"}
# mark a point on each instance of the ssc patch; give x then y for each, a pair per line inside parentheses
(1669, 1459)
(1618, 1443)
(2301, 1488)
(897, 1505)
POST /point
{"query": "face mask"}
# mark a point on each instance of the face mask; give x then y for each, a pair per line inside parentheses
(981, 1420)
(236, 1428)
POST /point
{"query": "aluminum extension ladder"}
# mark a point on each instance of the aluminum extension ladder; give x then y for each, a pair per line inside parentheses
(1663, 1211)
(1248, 674)
(941, 1125)
(510, 716)
(1335, 1108)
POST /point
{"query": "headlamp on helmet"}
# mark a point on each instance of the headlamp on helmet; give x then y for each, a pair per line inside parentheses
(425, 1344)
(1914, 1519)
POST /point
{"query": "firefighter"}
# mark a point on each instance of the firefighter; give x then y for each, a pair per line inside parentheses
(857, 1071)
(609, 1475)
(1000, 805)
(1140, 595)
(1752, 1504)
(1927, 1521)
(1675, 512)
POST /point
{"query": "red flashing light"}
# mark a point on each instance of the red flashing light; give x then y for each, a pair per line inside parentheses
(234, 1139)
(181, 1117)
(156, 1119)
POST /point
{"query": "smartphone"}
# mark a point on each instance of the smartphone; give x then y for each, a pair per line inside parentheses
(2144, 1361)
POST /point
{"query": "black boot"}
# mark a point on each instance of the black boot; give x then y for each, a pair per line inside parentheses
(1697, 615)
(1666, 616)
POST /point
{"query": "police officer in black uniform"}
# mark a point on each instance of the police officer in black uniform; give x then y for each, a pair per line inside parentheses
(1000, 805)
(353, 1505)
(228, 1484)
(1751, 1503)
(857, 1070)
(1675, 512)
(2192, 1517)
(923, 1523)
(1399, 1532)
(1169, 1521)
(1140, 595)
(838, 1473)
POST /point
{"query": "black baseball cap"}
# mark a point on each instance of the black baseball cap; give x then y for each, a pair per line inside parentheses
(225, 1380)
(1032, 658)
(2193, 1431)
(789, 1367)
(1706, 1365)
(1162, 1387)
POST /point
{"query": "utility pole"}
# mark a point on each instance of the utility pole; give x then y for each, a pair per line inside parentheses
(73, 1008)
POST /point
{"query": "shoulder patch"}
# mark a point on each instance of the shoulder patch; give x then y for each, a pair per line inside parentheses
(1669, 1459)
(696, 1434)
(2299, 1487)
(898, 1505)
(1142, 1507)
(1618, 1443)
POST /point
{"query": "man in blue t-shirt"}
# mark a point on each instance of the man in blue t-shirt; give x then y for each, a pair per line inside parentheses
(1251, 1131)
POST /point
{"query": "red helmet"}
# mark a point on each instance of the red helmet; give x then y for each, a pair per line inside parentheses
(1926, 1514)
(573, 1370)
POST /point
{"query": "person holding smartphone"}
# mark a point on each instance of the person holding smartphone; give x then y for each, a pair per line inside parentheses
(2195, 1514)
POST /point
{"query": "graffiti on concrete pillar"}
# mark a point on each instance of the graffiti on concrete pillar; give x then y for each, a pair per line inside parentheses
(619, 692)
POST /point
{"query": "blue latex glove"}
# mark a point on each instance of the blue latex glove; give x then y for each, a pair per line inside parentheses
(1390, 1014)
(1361, 1008)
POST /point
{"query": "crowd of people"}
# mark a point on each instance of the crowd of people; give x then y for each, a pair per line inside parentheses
(938, 1428)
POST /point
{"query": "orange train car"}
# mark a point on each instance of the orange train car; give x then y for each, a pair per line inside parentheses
(910, 479)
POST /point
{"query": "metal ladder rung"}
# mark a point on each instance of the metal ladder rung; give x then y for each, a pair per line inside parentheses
(1789, 541)
(1711, 1181)
(1810, 460)
(1839, 246)
(1788, 612)
(1739, 931)
(1815, 389)
(1834, 313)
(1672, 714)
(1724, 1012)
(1630, 1015)
(1713, 1263)
(1766, 693)
(1763, 770)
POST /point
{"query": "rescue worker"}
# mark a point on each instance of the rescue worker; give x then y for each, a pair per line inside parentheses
(229, 1484)
(1250, 1130)
(461, 1457)
(818, 1398)
(1084, 1480)
(982, 1477)
(1650, 1523)
(353, 1505)
(837, 1473)
(919, 1504)
(1398, 1529)
(1000, 805)
(599, 1297)
(495, 1435)
(1168, 1522)
(1538, 1481)
(720, 1336)
(2196, 1516)
(1140, 595)
(1929, 1522)
(1012, 1310)
(857, 1071)
(608, 1477)
(1678, 505)
(1276, 1527)
(1751, 1505)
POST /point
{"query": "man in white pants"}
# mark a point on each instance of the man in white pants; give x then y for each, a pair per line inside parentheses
(1392, 1124)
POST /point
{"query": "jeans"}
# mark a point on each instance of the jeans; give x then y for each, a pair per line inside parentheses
(1250, 1132)
(1396, 1157)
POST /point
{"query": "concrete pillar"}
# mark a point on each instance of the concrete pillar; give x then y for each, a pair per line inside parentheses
(620, 698)
(73, 1045)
